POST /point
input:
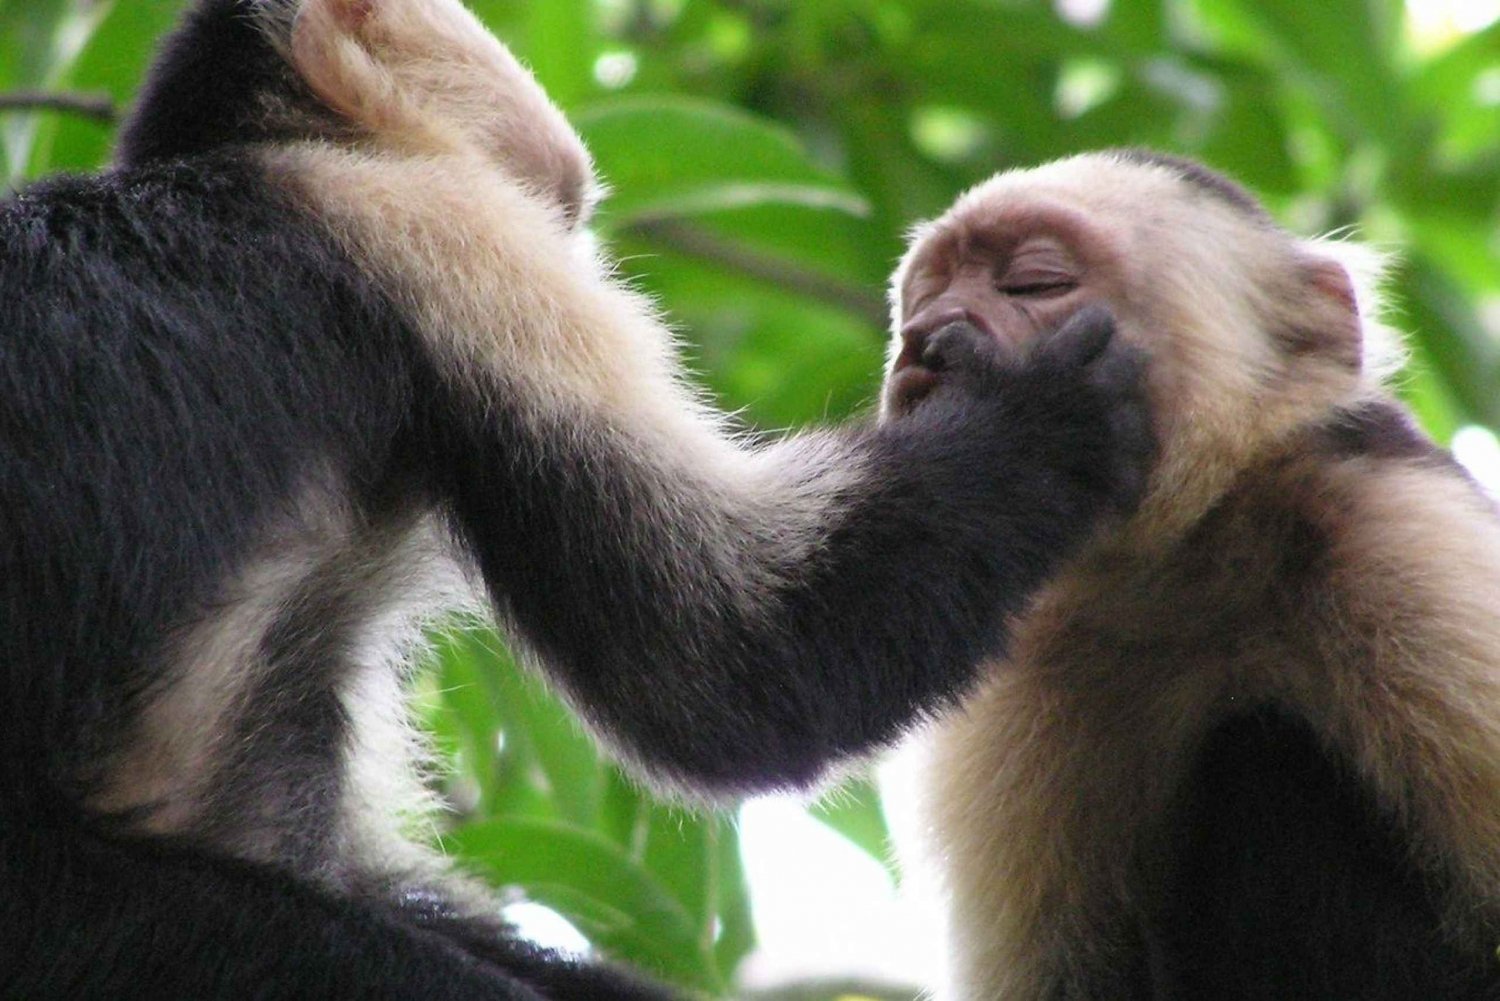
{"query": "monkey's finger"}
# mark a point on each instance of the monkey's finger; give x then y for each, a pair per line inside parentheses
(1082, 338)
(1120, 369)
(962, 348)
(1135, 451)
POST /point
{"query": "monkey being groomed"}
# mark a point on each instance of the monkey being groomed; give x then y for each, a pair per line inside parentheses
(1247, 746)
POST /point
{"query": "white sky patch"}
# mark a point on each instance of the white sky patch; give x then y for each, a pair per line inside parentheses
(1083, 13)
(1487, 87)
(1437, 23)
(546, 927)
(614, 70)
(1478, 450)
(823, 908)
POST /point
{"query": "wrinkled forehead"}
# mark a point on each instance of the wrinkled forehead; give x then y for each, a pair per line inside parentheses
(1083, 206)
(1092, 193)
(1121, 201)
(1125, 210)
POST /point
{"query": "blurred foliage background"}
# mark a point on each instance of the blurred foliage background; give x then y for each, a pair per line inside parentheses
(767, 156)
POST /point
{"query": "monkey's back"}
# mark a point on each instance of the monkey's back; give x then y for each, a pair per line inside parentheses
(1267, 755)
(159, 398)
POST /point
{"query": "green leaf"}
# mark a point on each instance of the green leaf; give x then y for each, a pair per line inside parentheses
(680, 849)
(616, 901)
(1460, 237)
(1457, 89)
(736, 925)
(114, 63)
(1248, 135)
(624, 812)
(561, 48)
(674, 156)
(1138, 25)
(854, 810)
(1452, 337)
(29, 38)
(509, 779)
(1348, 49)
(39, 40)
(781, 358)
(536, 726)
(1429, 396)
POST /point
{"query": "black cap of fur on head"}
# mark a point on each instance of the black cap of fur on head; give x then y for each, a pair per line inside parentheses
(1191, 172)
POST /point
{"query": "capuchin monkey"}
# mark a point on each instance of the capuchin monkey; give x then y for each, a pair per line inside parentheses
(1247, 746)
(325, 348)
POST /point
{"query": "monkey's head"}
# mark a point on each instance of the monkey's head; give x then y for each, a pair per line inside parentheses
(1251, 332)
(425, 77)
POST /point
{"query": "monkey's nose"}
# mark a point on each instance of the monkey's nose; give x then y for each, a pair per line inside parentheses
(918, 334)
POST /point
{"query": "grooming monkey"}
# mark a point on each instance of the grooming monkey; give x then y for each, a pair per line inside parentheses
(1248, 745)
(324, 349)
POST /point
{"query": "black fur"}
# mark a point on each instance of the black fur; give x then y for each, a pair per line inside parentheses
(977, 493)
(216, 83)
(182, 352)
(1290, 883)
(1277, 874)
(1195, 174)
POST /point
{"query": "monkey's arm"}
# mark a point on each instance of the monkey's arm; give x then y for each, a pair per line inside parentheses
(1298, 874)
(185, 926)
(743, 619)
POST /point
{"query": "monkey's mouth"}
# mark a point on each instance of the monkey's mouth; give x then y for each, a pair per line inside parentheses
(910, 383)
(929, 351)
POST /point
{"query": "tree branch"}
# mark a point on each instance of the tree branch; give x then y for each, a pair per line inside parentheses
(99, 107)
(821, 990)
(696, 242)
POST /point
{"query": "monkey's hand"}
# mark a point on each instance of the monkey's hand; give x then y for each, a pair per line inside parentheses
(1073, 402)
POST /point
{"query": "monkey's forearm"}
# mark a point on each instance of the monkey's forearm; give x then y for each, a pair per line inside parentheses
(748, 629)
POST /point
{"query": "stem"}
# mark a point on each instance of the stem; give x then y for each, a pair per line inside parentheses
(99, 107)
(698, 243)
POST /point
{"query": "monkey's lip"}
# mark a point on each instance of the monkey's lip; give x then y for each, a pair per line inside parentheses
(910, 384)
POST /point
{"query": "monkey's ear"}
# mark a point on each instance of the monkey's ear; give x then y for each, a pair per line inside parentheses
(1331, 326)
(1327, 278)
(331, 56)
(352, 14)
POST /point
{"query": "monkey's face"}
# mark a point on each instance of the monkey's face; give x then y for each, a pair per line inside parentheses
(1010, 272)
(1249, 331)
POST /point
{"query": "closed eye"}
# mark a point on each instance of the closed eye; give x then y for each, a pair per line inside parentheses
(1038, 288)
(1040, 267)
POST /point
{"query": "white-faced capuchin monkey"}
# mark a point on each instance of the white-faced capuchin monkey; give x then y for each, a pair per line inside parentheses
(325, 346)
(1247, 746)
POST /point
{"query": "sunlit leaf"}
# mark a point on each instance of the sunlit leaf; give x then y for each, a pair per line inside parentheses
(590, 880)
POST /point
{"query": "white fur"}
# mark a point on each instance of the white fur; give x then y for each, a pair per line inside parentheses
(216, 662)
